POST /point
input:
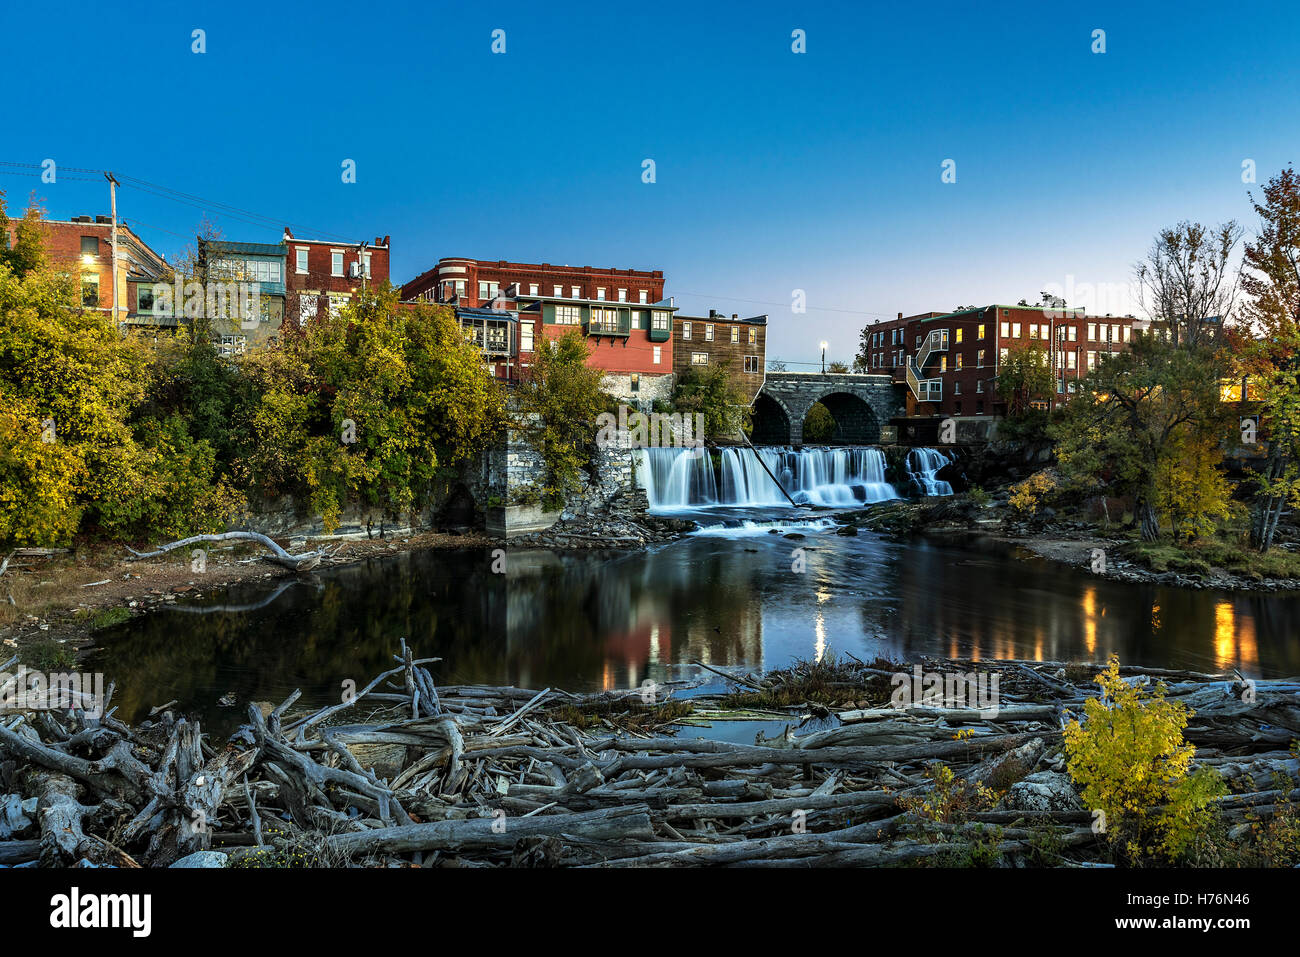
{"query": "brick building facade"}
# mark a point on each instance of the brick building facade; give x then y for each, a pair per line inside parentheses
(323, 275)
(83, 246)
(949, 362)
(699, 342)
(622, 313)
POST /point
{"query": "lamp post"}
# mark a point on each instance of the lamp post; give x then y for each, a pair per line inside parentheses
(823, 357)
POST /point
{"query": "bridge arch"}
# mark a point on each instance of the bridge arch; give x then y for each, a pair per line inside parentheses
(855, 420)
(772, 421)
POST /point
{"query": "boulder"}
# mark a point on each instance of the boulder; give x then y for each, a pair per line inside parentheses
(1044, 791)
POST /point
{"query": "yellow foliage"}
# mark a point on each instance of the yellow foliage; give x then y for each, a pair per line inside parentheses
(1028, 495)
(1128, 757)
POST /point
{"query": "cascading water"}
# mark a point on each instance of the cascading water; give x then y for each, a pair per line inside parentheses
(678, 478)
(922, 464)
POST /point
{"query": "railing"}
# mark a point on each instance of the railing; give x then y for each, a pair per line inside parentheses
(936, 341)
(925, 390)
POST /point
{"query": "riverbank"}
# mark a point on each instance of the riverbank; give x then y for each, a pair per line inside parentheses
(409, 774)
(1105, 551)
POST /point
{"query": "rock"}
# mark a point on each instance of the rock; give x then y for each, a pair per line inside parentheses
(1044, 791)
(203, 859)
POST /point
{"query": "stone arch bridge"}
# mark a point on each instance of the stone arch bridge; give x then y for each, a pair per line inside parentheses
(860, 405)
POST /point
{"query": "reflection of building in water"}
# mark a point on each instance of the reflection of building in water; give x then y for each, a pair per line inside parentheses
(1234, 642)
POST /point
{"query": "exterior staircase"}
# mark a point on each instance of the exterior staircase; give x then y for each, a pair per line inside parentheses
(926, 390)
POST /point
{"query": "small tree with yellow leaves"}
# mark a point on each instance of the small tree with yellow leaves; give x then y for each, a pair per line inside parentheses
(1129, 759)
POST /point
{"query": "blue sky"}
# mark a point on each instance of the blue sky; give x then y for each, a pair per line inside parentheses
(775, 171)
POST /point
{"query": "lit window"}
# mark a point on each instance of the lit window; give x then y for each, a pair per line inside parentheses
(686, 330)
(752, 364)
(735, 333)
(981, 331)
(699, 358)
(708, 332)
(979, 359)
(958, 358)
(959, 331)
(753, 336)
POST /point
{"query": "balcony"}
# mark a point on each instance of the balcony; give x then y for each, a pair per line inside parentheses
(621, 326)
(925, 390)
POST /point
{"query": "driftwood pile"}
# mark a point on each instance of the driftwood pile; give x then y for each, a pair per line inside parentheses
(496, 776)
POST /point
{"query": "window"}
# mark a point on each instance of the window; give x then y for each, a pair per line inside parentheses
(634, 382)
(559, 291)
(699, 358)
(1069, 360)
(568, 315)
(981, 331)
(622, 295)
(1002, 354)
(336, 262)
(959, 331)
(686, 330)
(735, 333)
(1015, 330)
(365, 264)
(525, 337)
(144, 298)
(300, 259)
(533, 289)
(658, 354)
(979, 385)
(90, 245)
(1045, 331)
(487, 290)
(1033, 331)
(957, 356)
(752, 365)
(575, 292)
(979, 359)
(1124, 330)
(1092, 332)
(233, 345)
(659, 320)
(918, 342)
(600, 292)
(753, 336)
(1092, 360)
(956, 388)
(979, 407)
(957, 408)
(90, 290)
(1074, 333)
(943, 363)
(708, 332)
(604, 320)
(1006, 330)
(642, 294)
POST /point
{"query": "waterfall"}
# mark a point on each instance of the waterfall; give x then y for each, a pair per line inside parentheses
(674, 478)
(922, 464)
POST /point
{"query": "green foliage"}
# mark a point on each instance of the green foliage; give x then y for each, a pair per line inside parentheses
(561, 399)
(1024, 375)
(978, 496)
(710, 391)
(818, 424)
(1129, 759)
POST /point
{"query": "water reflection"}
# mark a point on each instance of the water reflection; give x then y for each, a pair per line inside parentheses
(602, 621)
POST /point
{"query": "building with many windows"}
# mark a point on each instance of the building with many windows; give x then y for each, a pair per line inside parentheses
(232, 271)
(622, 313)
(740, 344)
(323, 275)
(949, 362)
(83, 246)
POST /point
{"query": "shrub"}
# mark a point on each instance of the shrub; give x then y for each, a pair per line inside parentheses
(1027, 496)
(1128, 757)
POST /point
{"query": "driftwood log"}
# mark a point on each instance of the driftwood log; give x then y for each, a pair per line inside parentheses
(299, 563)
(405, 772)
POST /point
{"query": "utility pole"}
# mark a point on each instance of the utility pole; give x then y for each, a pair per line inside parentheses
(112, 194)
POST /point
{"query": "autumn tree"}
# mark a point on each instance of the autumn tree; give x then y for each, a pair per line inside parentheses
(1023, 376)
(1187, 279)
(1271, 281)
(712, 391)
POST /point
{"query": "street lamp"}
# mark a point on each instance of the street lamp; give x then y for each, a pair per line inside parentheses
(823, 357)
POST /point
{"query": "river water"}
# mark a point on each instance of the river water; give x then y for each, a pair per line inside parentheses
(732, 595)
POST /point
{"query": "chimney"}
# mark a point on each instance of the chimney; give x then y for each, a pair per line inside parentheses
(900, 315)
(102, 220)
(735, 316)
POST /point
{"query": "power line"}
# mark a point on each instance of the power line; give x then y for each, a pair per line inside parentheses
(763, 302)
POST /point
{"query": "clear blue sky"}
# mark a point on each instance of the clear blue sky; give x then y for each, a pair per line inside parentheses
(775, 171)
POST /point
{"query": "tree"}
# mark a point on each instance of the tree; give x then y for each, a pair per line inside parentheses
(1186, 279)
(818, 424)
(838, 368)
(776, 365)
(712, 392)
(1025, 375)
(1271, 281)
(1136, 413)
(561, 398)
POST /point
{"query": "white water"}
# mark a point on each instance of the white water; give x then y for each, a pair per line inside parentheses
(748, 529)
(921, 466)
(680, 479)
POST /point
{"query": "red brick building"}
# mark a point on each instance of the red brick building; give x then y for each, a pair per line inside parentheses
(83, 246)
(321, 274)
(621, 312)
(949, 362)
